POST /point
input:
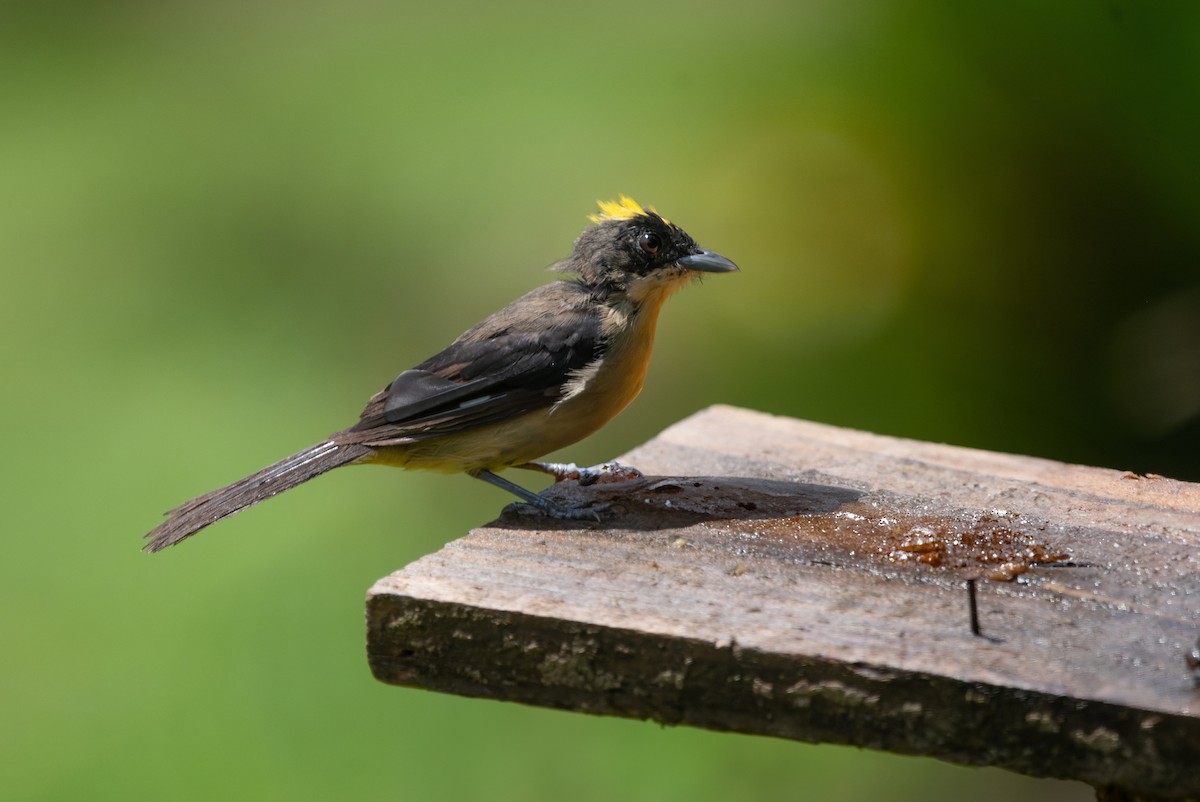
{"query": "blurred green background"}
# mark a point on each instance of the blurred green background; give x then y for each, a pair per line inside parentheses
(224, 225)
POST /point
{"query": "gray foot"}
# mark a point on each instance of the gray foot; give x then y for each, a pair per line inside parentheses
(604, 473)
(592, 513)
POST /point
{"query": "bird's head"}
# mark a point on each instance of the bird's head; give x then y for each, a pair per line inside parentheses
(633, 249)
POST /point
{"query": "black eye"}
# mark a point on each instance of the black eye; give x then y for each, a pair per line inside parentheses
(649, 243)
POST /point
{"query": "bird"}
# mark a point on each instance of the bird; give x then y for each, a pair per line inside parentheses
(542, 373)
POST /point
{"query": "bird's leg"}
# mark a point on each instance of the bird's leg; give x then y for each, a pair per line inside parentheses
(604, 472)
(543, 505)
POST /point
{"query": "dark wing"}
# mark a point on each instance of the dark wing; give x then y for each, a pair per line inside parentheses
(514, 362)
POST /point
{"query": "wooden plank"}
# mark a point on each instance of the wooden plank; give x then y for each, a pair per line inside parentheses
(787, 578)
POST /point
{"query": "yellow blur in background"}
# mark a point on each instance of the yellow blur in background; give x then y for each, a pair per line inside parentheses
(224, 225)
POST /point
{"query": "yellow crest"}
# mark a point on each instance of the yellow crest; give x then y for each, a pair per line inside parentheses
(624, 208)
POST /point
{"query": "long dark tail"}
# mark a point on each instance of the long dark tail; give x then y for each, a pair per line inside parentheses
(190, 517)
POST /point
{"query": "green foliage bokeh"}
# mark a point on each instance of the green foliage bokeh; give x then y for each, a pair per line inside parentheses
(223, 226)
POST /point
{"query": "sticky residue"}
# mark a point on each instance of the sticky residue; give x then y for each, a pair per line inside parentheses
(993, 544)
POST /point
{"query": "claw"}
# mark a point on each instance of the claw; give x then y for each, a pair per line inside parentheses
(608, 472)
(592, 513)
(604, 473)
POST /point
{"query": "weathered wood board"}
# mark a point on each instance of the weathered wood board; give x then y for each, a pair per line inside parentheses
(780, 577)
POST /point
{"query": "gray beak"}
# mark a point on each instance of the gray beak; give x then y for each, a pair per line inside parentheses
(707, 262)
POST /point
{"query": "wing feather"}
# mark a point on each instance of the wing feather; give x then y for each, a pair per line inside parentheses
(514, 362)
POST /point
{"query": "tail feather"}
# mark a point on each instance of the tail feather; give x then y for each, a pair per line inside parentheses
(190, 517)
